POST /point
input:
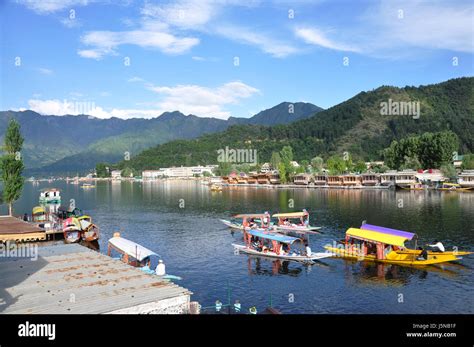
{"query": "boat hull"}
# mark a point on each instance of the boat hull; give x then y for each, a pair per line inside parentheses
(298, 258)
(399, 258)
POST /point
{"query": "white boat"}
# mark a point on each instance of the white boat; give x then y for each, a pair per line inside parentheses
(272, 245)
(284, 224)
(257, 221)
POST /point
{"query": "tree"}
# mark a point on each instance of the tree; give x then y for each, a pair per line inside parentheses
(411, 163)
(275, 160)
(101, 170)
(360, 166)
(127, 172)
(468, 162)
(12, 165)
(449, 171)
(283, 173)
(317, 164)
(336, 165)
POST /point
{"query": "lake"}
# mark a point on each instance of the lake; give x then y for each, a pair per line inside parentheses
(180, 221)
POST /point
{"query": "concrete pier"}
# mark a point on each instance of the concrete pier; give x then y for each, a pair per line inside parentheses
(70, 278)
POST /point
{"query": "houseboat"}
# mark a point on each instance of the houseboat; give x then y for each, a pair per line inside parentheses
(388, 178)
(320, 180)
(50, 196)
(262, 178)
(351, 180)
(466, 179)
(370, 179)
(252, 179)
(406, 180)
(302, 179)
(242, 178)
(334, 181)
(274, 177)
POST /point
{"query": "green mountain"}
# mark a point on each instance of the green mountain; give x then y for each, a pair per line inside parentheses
(76, 143)
(357, 125)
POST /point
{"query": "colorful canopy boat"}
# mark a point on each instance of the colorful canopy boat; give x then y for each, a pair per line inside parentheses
(385, 245)
(285, 225)
(411, 236)
(72, 230)
(250, 221)
(275, 245)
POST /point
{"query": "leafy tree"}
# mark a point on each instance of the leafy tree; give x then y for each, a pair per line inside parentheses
(360, 166)
(468, 162)
(449, 171)
(11, 165)
(283, 173)
(101, 170)
(411, 163)
(336, 165)
(317, 164)
(275, 160)
(127, 172)
(224, 169)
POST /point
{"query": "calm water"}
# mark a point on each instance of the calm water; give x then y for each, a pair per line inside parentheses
(195, 245)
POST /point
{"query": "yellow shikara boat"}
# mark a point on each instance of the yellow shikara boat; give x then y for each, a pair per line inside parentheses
(384, 245)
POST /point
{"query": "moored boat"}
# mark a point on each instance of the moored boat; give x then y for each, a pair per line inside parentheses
(72, 230)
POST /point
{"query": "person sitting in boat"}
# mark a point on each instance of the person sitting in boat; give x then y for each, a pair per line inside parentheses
(387, 250)
(286, 221)
(423, 255)
(252, 223)
(437, 247)
(284, 249)
(308, 250)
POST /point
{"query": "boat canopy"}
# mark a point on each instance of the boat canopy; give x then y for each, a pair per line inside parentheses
(290, 215)
(38, 210)
(131, 248)
(374, 236)
(251, 215)
(388, 231)
(273, 236)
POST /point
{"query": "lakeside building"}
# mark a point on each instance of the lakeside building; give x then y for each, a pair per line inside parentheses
(181, 172)
(266, 167)
(466, 179)
(116, 174)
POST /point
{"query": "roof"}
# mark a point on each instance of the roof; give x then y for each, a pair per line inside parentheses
(38, 209)
(251, 215)
(12, 225)
(100, 284)
(131, 248)
(291, 214)
(374, 236)
(388, 231)
(273, 236)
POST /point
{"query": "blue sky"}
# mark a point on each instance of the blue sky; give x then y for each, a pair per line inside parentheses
(141, 58)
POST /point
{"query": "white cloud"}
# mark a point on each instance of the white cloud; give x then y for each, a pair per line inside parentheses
(135, 79)
(188, 99)
(51, 6)
(203, 101)
(57, 107)
(265, 42)
(425, 25)
(105, 42)
(45, 71)
(316, 37)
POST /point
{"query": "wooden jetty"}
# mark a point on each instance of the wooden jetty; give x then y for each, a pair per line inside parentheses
(16, 230)
(70, 278)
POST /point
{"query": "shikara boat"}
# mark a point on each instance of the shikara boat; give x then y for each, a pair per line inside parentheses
(90, 231)
(250, 220)
(452, 187)
(72, 230)
(272, 245)
(409, 237)
(39, 214)
(384, 245)
(87, 186)
(285, 224)
(134, 254)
